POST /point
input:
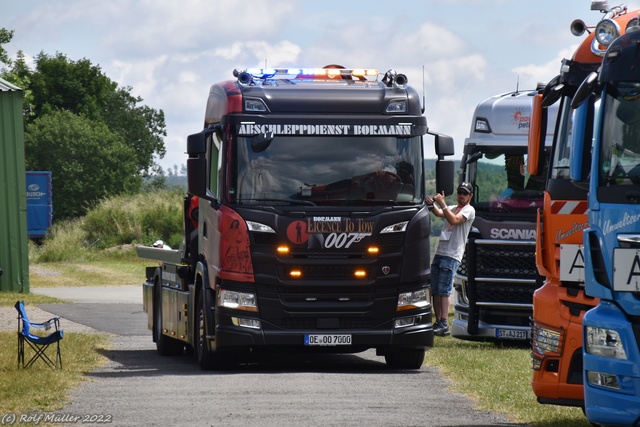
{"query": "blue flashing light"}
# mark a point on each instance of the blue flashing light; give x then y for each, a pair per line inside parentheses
(308, 73)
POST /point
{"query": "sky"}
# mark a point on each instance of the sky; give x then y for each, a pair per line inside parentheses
(456, 52)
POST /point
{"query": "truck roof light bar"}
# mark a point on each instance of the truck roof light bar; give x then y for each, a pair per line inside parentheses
(248, 76)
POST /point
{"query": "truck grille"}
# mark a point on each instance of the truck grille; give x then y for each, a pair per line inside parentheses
(505, 293)
(389, 242)
(329, 265)
(311, 323)
(502, 261)
(505, 271)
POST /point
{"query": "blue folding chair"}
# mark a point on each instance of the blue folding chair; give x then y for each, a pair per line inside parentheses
(38, 342)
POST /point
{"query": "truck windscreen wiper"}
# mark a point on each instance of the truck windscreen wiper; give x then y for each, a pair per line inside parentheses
(291, 201)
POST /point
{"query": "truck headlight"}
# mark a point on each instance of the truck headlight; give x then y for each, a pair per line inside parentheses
(412, 300)
(607, 31)
(395, 228)
(546, 340)
(237, 300)
(604, 342)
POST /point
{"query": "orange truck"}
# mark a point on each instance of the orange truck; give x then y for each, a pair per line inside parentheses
(560, 304)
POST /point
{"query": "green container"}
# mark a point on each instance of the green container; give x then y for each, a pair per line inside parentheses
(14, 249)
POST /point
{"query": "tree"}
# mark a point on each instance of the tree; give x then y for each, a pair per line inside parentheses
(88, 161)
(5, 37)
(84, 99)
(20, 75)
(82, 88)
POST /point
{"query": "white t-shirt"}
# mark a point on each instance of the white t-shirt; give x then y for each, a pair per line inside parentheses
(454, 237)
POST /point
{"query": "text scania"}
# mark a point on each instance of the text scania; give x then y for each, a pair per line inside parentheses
(280, 129)
(514, 234)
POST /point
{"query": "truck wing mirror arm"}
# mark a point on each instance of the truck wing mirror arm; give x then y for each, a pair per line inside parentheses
(212, 199)
(473, 158)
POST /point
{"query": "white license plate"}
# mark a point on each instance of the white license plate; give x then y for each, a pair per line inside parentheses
(512, 334)
(327, 339)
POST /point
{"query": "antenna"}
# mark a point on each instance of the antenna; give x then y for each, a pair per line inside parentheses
(518, 83)
(424, 99)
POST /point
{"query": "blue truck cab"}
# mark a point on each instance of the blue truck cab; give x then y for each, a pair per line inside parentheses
(611, 352)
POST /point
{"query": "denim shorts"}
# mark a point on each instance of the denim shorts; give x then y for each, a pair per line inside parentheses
(442, 270)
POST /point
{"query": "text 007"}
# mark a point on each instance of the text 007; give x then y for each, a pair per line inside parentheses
(327, 339)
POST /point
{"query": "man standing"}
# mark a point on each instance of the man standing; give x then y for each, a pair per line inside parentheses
(453, 239)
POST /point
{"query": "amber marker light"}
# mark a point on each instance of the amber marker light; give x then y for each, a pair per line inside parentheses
(360, 274)
(373, 250)
(296, 274)
(333, 73)
(283, 249)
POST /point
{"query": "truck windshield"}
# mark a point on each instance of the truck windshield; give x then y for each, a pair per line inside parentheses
(316, 170)
(503, 184)
(620, 140)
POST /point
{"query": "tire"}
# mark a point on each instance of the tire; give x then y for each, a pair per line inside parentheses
(208, 359)
(204, 356)
(166, 346)
(409, 358)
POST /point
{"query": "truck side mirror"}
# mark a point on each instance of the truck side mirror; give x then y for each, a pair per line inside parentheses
(444, 145)
(196, 144)
(578, 129)
(445, 169)
(585, 90)
(197, 164)
(536, 135)
(197, 170)
(445, 172)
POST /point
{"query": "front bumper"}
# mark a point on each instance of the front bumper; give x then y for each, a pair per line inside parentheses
(488, 332)
(237, 338)
(604, 405)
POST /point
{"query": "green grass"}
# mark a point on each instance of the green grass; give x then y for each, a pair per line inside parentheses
(40, 388)
(10, 298)
(104, 271)
(498, 379)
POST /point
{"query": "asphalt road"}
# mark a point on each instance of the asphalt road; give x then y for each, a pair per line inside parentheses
(137, 387)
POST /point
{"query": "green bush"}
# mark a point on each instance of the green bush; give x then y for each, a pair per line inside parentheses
(142, 218)
(65, 241)
(122, 220)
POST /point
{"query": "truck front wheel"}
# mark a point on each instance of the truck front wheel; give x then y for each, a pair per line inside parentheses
(205, 356)
(407, 358)
(209, 359)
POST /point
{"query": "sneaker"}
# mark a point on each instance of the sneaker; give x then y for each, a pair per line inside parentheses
(441, 328)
